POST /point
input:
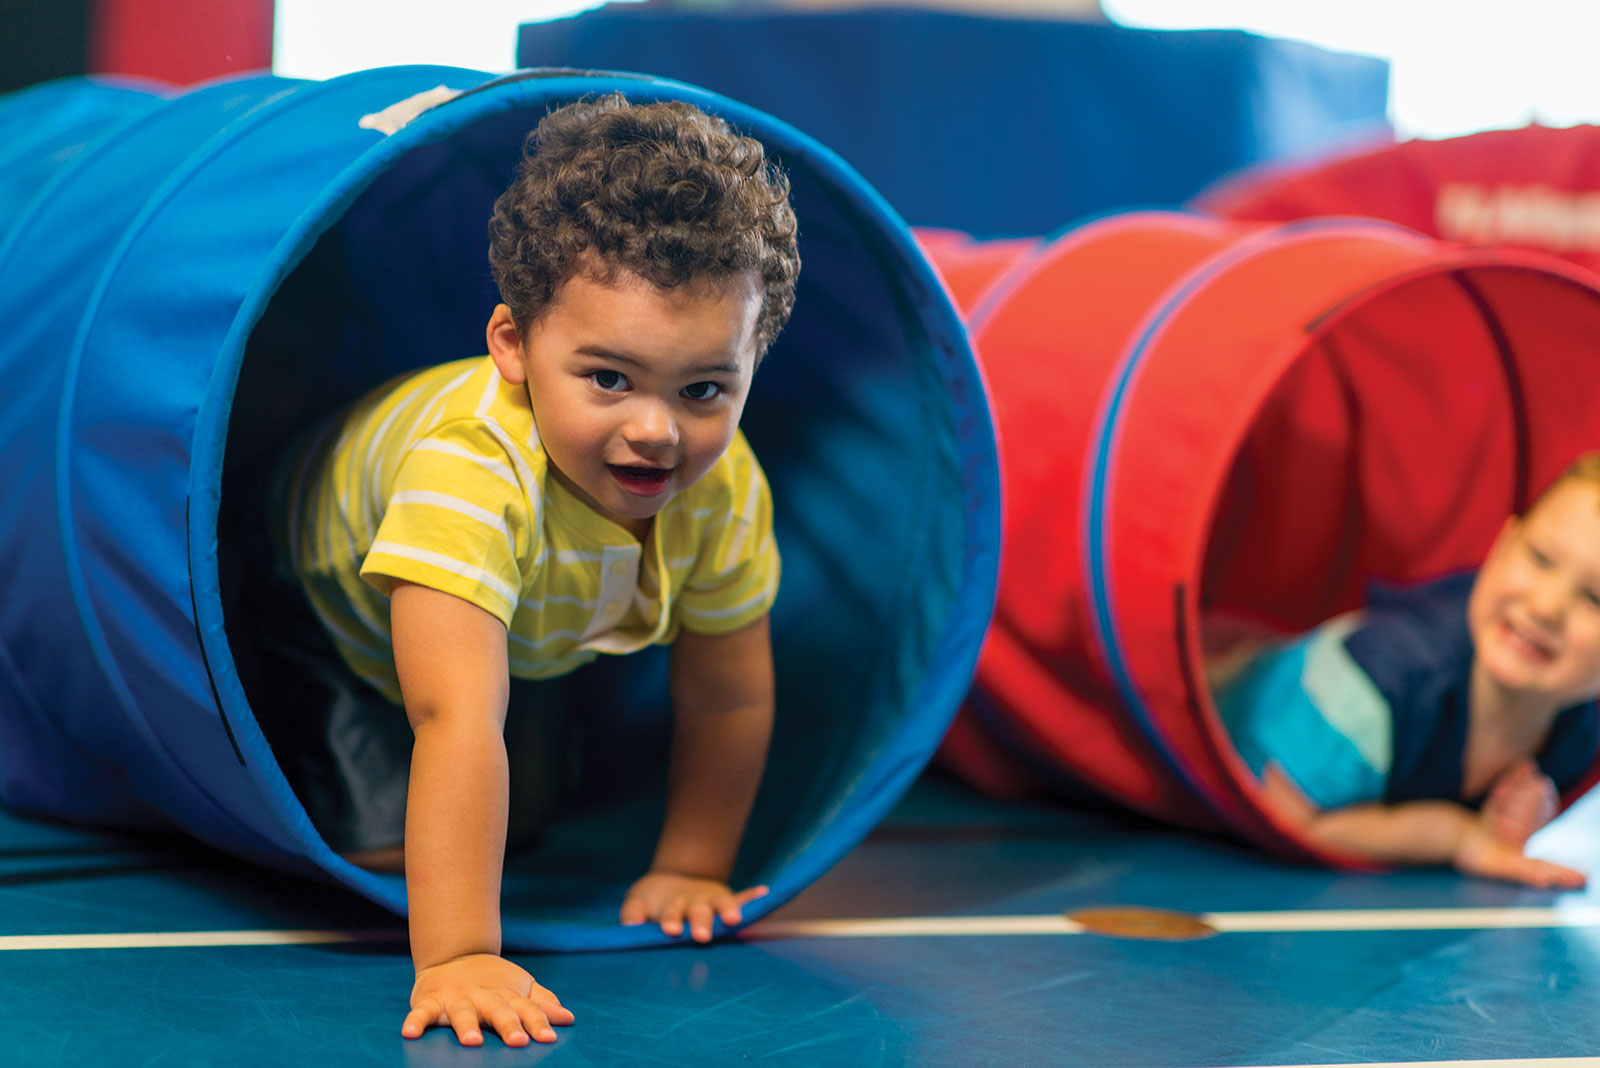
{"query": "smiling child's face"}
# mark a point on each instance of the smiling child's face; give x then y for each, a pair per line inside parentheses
(1534, 611)
(636, 390)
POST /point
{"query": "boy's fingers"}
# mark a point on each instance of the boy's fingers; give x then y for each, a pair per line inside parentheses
(700, 916)
(731, 906)
(633, 911)
(1542, 873)
(464, 1019)
(535, 1022)
(537, 1027)
(507, 1023)
(421, 1016)
(744, 897)
(1567, 877)
(672, 916)
(418, 1019)
(550, 1005)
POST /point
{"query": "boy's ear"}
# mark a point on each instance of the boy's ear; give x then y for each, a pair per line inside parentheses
(505, 345)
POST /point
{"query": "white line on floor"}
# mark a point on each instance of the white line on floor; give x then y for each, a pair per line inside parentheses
(1515, 1062)
(1224, 922)
(187, 939)
(911, 926)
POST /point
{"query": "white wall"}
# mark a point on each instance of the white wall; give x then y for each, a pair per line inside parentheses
(324, 38)
(1457, 66)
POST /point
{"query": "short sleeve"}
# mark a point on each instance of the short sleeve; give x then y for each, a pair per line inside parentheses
(460, 519)
(735, 577)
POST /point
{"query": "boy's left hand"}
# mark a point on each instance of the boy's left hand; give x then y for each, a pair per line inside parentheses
(673, 900)
(1483, 852)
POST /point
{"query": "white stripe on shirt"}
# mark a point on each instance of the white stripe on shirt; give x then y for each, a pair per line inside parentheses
(454, 504)
(450, 448)
(380, 439)
(727, 613)
(586, 603)
(746, 512)
(540, 643)
(438, 399)
(524, 472)
(491, 390)
(552, 668)
(446, 563)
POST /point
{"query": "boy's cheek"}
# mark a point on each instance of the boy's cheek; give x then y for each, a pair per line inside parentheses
(1589, 663)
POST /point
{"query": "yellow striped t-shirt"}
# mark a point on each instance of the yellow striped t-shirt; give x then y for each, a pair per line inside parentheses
(438, 478)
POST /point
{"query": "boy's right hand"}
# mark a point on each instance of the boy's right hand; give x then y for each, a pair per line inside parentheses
(478, 989)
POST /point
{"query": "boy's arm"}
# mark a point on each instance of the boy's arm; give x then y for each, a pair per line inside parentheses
(451, 659)
(722, 694)
(1414, 832)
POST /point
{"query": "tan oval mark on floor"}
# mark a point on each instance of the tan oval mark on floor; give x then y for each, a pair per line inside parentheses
(1136, 921)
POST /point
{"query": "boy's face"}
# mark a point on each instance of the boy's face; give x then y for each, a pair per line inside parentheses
(636, 390)
(1534, 611)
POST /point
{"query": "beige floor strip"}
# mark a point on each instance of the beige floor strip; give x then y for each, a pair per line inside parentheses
(1515, 1062)
(912, 927)
(1223, 922)
(191, 939)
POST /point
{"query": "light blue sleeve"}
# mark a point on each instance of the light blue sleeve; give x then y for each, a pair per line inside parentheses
(1309, 707)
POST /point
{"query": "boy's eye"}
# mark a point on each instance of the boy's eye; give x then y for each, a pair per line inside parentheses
(1539, 559)
(1590, 598)
(702, 391)
(610, 381)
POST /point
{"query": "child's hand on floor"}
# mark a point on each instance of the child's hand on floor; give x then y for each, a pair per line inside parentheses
(672, 899)
(1521, 801)
(1482, 851)
(478, 989)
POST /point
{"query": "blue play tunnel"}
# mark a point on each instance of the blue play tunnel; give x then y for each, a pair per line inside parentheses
(248, 257)
(46, 127)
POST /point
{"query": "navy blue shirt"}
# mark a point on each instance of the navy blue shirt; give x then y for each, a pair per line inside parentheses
(1415, 646)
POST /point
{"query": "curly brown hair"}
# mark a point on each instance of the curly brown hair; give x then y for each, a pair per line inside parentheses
(662, 190)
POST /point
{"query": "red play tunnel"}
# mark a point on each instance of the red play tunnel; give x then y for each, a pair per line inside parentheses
(970, 267)
(1238, 427)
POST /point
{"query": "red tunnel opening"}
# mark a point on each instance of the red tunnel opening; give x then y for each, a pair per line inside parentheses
(1211, 430)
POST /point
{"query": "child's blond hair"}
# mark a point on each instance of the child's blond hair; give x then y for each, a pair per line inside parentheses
(1586, 468)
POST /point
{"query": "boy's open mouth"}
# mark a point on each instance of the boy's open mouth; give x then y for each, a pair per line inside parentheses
(643, 481)
(1529, 646)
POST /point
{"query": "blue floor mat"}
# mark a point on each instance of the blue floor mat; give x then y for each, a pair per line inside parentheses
(789, 995)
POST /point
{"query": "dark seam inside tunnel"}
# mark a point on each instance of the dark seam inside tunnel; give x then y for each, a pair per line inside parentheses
(1191, 686)
(194, 615)
(1519, 406)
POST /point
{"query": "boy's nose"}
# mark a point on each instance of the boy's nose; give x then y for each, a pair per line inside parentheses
(650, 425)
(1547, 601)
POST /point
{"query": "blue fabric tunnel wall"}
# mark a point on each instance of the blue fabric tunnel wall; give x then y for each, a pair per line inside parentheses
(46, 127)
(248, 257)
